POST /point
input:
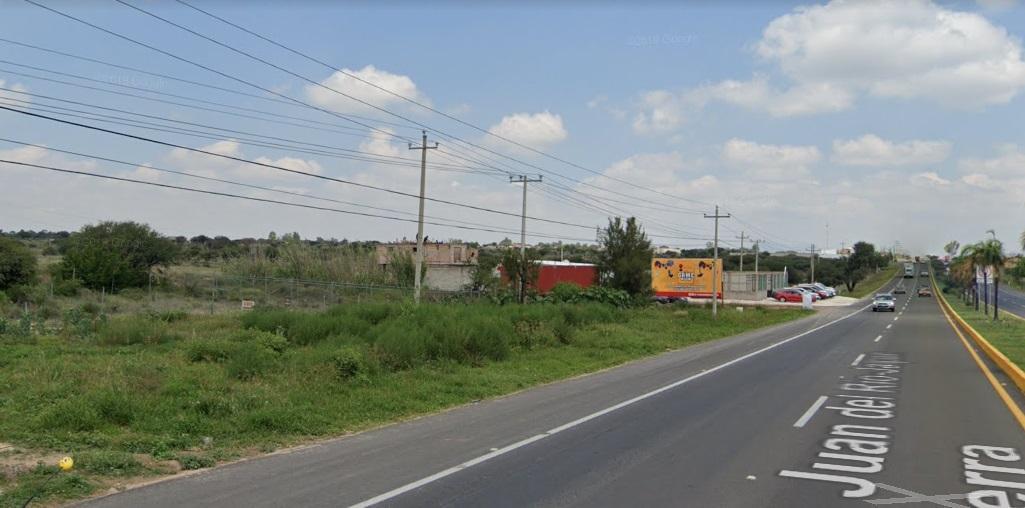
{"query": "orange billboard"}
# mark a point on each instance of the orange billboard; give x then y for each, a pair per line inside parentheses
(684, 277)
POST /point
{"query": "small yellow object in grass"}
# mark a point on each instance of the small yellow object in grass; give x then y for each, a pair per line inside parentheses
(66, 464)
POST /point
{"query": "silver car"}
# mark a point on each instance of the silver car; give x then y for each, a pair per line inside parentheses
(884, 302)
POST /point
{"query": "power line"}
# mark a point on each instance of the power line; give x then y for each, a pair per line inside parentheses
(281, 168)
(361, 101)
(334, 68)
(232, 182)
(368, 156)
(252, 198)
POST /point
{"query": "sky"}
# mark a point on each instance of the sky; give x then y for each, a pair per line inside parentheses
(895, 123)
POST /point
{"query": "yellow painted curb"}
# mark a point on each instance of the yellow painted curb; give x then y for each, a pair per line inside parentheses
(1012, 370)
(1011, 314)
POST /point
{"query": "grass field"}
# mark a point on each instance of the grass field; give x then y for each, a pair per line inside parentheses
(872, 283)
(153, 394)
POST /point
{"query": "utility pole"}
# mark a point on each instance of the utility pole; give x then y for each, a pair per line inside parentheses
(420, 220)
(523, 232)
(758, 281)
(742, 237)
(715, 263)
(812, 251)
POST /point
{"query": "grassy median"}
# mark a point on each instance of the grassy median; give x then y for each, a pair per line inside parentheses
(1005, 334)
(155, 394)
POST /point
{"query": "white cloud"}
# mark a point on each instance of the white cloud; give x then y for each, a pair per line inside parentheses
(929, 179)
(910, 49)
(659, 111)
(536, 130)
(979, 180)
(770, 162)
(343, 81)
(1009, 163)
(379, 143)
(17, 87)
(871, 150)
(830, 55)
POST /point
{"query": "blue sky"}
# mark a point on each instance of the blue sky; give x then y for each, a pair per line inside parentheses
(888, 121)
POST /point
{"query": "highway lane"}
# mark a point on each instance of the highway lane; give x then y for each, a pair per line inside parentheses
(746, 421)
(1012, 301)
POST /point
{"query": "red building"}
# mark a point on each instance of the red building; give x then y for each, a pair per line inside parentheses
(554, 272)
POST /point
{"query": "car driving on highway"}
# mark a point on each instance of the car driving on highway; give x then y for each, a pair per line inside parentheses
(924, 291)
(899, 289)
(884, 302)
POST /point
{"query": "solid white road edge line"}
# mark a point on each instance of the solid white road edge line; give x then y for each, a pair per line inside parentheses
(810, 412)
(858, 360)
(502, 451)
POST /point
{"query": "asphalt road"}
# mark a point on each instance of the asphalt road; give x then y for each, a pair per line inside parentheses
(845, 408)
(1012, 301)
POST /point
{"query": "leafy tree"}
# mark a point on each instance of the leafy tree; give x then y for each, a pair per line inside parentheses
(625, 257)
(952, 247)
(858, 264)
(17, 264)
(115, 254)
(988, 253)
(521, 271)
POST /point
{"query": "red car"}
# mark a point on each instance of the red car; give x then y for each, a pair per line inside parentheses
(793, 295)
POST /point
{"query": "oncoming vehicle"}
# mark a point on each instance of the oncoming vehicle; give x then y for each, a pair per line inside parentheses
(884, 302)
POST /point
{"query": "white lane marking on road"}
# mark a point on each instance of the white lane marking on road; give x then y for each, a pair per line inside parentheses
(878, 338)
(502, 451)
(889, 326)
(810, 412)
(915, 497)
(858, 360)
(896, 317)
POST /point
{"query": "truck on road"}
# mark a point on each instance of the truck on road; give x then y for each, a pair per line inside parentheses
(909, 270)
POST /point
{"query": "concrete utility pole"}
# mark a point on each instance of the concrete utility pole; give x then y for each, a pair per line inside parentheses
(812, 251)
(715, 263)
(523, 231)
(757, 278)
(742, 237)
(420, 220)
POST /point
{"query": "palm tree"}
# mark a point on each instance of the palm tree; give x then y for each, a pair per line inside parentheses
(990, 253)
(969, 257)
(952, 247)
(962, 273)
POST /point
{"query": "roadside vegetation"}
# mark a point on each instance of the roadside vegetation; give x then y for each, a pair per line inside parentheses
(872, 282)
(113, 351)
(150, 395)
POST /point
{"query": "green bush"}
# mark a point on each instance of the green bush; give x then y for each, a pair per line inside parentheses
(108, 463)
(135, 330)
(115, 407)
(250, 361)
(349, 363)
(565, 292)
(17, 264)
(209, 350)
(115, 255)
(72, 414)
(66, 287)
(190, 462)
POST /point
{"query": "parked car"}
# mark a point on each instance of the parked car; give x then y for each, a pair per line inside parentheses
(924, 291)
(828, 289)
(793, 295)
(823, 294)
(884, 302)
